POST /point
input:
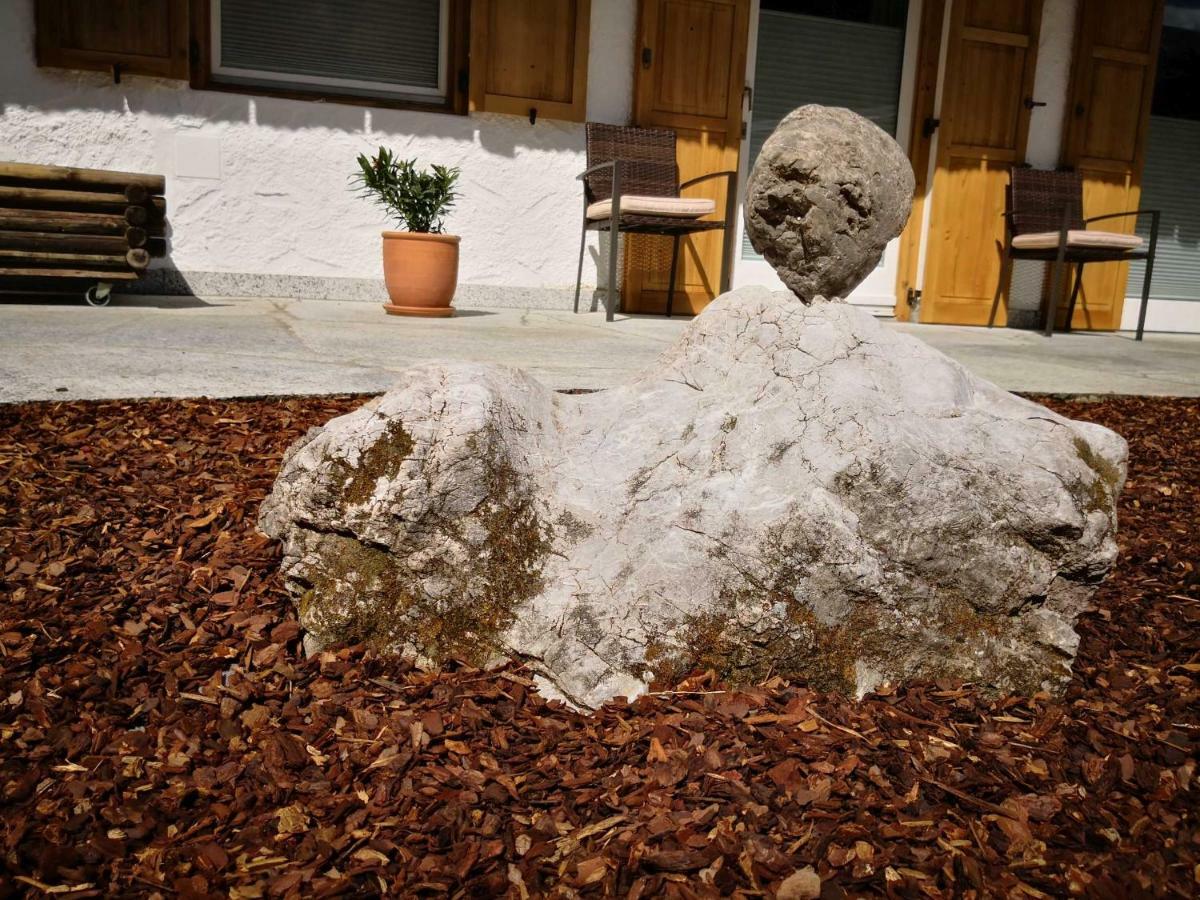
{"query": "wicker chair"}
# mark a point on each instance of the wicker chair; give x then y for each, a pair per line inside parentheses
(632, 179)
(1044, 221)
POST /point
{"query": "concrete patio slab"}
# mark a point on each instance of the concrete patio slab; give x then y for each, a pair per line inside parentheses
(179, 347)
(1165, 365)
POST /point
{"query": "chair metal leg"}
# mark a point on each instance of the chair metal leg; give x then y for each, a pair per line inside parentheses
(1005, 265)
(1056, 276)
(579, 271)
(1141, 325)
(1052, 301)
(1074, 296)
(671, 280)
(728, 235)
(614, 234)
(610, 302)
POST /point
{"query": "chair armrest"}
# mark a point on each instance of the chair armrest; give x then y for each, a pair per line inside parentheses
(1154, 215)
(730, 192)
(709, 176)
(1118, 215)
(596, 168)
(614, 182)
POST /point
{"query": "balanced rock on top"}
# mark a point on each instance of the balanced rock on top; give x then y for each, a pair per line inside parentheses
(827, 193)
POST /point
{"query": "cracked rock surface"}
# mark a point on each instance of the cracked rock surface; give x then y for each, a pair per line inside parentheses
(791, 489)
(826, 194)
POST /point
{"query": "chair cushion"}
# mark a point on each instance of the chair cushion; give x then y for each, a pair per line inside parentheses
(1096, 240)
(675, 207)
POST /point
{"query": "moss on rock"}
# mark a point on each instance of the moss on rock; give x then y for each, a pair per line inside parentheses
(382, 459)
(486, 564)
(770, 622)
(1101, 494)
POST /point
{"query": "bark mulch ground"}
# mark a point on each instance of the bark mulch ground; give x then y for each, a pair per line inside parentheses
(161, 732)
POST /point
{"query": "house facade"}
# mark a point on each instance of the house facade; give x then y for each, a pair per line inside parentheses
(256, 109)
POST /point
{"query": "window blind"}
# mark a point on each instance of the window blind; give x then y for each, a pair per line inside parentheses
(1169, 179)
(393, 46)
(810, 59)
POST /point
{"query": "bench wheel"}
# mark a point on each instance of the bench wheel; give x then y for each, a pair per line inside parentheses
(98, 294)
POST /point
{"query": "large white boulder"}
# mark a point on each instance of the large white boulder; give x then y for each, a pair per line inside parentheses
(791, 489)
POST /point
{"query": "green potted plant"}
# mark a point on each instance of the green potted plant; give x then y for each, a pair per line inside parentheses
(420, 262)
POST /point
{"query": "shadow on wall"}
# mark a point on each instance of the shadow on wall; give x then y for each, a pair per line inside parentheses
(176, 104)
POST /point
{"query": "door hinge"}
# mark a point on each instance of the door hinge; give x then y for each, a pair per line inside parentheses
(647, 57)
(913, 299)
(743, 131)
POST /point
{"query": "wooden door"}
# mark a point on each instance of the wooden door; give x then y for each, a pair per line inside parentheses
(990, 62)
(1116, 50)
(691, 70)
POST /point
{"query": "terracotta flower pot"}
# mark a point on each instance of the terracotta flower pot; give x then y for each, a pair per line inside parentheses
(421, 273)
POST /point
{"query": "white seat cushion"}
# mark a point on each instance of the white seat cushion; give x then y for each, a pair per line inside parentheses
(675, 207)
(1096, 240)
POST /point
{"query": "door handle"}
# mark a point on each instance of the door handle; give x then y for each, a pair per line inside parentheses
(1030, 103)
(930, 126)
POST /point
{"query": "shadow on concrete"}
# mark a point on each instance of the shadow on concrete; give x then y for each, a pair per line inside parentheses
(74, 297)
(468, 313)
(152, 301)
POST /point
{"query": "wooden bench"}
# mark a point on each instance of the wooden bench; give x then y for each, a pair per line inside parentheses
(67, 228)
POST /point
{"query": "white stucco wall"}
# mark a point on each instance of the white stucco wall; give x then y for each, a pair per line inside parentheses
(259, 184)
(1051, 83)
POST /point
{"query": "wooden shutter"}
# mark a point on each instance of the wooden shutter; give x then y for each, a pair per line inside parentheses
(142, 37)
(1116, 49)
(690, 75)
(920, 146)
(990, 63)
(529, 57)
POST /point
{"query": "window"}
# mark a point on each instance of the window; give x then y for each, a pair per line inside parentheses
(390, 49)
(1178, 62)
(1172, 172)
